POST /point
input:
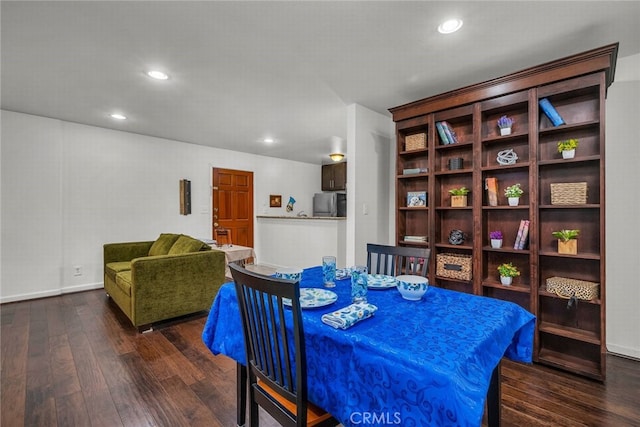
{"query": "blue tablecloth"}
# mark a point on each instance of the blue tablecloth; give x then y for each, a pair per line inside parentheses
(414, 363)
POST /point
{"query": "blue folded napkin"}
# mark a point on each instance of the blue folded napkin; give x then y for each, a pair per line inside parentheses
(350, 315)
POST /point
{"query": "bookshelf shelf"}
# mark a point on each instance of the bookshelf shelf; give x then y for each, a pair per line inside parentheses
(575, 87)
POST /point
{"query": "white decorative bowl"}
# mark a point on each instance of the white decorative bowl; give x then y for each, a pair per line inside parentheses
(412, 287)
(289, 273)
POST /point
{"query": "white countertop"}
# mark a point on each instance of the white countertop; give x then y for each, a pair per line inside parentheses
(335, 218)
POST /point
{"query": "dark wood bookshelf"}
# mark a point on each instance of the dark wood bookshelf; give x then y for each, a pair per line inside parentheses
(572, 339)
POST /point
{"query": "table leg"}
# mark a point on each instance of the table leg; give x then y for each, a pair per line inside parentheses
(241, 380)
(493, 399)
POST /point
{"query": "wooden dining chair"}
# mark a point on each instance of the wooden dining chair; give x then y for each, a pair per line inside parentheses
(397, 260)
(222, 236)
(275, 383)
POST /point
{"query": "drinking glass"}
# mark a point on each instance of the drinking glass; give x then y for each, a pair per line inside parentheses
(359, 283)
(329, 271)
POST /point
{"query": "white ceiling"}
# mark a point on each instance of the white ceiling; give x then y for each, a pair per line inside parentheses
(242, 71)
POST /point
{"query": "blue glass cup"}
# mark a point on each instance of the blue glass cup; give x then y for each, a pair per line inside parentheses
(359, 283)
(329, 271)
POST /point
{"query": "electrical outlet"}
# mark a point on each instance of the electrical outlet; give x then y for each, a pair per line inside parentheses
(77, 270)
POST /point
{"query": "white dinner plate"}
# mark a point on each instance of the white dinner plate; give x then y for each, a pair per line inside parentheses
(314, 298)
(381, 281)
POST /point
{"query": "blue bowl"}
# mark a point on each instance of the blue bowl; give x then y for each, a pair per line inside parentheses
(412, 287)
(289, 273)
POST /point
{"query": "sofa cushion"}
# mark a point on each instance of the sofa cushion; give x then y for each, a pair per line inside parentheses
(163, 243)
(186, 244)
(114, 268)
(123, 281)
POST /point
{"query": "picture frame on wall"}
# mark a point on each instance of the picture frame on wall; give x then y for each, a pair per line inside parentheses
(275, 201)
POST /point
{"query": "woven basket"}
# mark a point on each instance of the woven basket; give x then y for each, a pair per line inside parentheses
(454, 266)
(569, 193)
(415, 142)
(567, 288)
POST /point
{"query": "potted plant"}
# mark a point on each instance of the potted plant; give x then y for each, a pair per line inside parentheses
(513, 193)
(568, 148)
(507, 272)
(505, 124)
(496, 238)
(459, 197)
(567, 241)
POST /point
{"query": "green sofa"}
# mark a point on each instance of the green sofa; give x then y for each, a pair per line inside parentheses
(158, 280)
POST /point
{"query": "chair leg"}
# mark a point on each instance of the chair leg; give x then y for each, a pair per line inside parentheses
(241, 381)
(493, 399)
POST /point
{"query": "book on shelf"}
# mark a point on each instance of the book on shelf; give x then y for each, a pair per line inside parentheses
(451, 134)
(521, 237)
(413, 171)
(549, 110)
(418, 239)
(443, 135)
(416, 199)
(491, 184)
(525, 235)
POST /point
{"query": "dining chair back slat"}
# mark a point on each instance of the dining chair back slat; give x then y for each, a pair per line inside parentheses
(397, 260)
(274, 345)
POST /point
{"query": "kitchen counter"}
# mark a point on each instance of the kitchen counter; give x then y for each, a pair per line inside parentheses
(294, 241)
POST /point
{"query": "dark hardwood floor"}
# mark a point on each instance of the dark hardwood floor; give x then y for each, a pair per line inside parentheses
(75, 360)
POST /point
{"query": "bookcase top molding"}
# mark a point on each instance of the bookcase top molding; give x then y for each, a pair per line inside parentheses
(599, 59)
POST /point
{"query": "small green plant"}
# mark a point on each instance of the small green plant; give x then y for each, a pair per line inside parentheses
(513, 191)
(567, 144)
(508, 270)
(462, 191)
(566, 235)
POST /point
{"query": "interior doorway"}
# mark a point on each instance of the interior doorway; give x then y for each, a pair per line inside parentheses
(233, 205)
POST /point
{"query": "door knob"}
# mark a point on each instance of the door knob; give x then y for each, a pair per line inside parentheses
(215, 224)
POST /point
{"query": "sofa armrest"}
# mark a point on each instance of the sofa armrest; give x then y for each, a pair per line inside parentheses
(126, 251)
(167, 286)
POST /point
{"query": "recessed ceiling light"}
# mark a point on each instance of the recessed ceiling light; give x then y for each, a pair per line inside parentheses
(450, 26)
(268, 140)
(158, 75)
(118, 116)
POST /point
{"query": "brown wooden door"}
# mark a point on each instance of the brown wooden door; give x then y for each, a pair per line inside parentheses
(233, 204)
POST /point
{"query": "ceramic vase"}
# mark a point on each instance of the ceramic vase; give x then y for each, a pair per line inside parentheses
(513, 201)
(505, 131)
(496, 243)
(506, 281)
(568, 154)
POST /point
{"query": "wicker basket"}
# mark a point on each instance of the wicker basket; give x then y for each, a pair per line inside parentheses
(415, 142)
(567, 288)
(569, 193)
(454, 266)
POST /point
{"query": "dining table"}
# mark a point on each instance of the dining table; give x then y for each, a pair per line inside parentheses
(431, 362)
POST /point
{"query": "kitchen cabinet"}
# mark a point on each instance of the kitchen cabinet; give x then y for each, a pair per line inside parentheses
(334, 177)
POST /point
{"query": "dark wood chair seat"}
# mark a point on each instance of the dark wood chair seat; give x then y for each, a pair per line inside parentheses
(275, 384)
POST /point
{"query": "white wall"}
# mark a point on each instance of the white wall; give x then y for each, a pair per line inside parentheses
(67, 189)
(368, 179)
(623, 205)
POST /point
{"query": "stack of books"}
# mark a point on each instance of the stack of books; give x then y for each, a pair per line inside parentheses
(415, 239)
(446, 132)
(413, 171)
(523, 234)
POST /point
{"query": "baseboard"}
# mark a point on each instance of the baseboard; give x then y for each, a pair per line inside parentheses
(618, 350)
(52, 292)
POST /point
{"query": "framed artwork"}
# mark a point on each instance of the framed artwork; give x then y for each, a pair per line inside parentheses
(275, 201)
